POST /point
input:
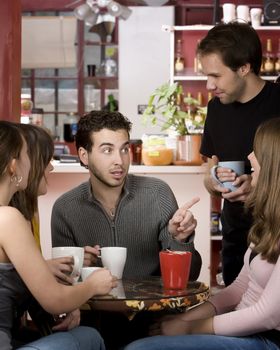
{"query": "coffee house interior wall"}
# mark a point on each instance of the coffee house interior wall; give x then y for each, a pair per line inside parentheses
(144, 51)
(143, 60)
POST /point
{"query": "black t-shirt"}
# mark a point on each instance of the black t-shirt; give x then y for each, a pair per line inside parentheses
(229, 133)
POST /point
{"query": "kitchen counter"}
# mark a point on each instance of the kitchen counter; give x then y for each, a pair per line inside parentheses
(134, 169)
(185, 181)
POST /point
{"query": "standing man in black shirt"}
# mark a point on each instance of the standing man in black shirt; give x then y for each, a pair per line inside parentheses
(231, 58)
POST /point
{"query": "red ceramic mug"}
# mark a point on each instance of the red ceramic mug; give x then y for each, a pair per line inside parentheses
(175, 268)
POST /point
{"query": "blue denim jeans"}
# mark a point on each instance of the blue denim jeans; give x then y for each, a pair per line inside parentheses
(202, 341)
(79, 338)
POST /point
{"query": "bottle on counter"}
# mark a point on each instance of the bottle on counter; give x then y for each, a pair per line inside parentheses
(70, 127)
(199, 98)
(135, 147)
(189, 109)
(199, 115)
(109, 67)
(277, 61)
(179, 59)
(268, 59)
(188, 106)
(197, 64)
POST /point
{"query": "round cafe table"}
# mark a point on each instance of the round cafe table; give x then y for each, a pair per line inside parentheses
(147, 294)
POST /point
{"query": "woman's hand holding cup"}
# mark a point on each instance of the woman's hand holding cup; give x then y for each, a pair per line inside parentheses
(102, 280)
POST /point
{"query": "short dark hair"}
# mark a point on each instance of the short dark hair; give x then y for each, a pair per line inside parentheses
(95, 121)
(236, 43)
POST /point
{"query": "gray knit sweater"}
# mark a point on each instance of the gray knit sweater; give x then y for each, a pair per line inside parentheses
(140, 224)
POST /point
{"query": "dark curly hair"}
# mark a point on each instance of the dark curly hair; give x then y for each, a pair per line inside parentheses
(95, 121)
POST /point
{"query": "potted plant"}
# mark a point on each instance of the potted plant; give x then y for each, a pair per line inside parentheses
(184, 116)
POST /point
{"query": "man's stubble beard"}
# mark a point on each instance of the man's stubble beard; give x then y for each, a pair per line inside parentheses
(101, 179)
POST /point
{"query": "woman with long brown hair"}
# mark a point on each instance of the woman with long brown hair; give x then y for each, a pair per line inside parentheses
(23, 271)
(246, 314)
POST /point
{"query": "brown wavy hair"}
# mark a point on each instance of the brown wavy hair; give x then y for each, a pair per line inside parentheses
(11, 142)
(265, 196)
(40, 150)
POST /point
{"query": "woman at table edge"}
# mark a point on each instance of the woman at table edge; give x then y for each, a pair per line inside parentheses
(40, 149)
(22, 266)
(245, 315)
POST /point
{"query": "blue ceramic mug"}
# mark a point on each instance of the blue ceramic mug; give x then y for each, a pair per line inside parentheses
(237, 166)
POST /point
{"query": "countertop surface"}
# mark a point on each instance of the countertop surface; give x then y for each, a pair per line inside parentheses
(134, 169)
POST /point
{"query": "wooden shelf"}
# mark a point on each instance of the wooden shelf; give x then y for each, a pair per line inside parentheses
(100, 43)
(49, 78)
(87, 79)
(100, 77)
(58, 112)
(204, 27)
(196, 77)
(216, 237)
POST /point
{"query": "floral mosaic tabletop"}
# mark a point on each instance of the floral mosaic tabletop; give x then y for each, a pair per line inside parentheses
(139, 294)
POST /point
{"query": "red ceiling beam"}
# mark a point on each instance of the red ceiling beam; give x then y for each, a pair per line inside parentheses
(69, 5)
(10, 62)
(49, 5)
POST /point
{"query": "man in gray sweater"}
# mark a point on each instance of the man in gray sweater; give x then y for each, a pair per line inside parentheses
(117, 209)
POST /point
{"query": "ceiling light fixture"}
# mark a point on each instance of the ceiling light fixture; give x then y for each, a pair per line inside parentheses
(92, 9)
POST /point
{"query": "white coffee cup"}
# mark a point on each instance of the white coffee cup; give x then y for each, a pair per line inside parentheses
(243, 13)
(256, 17)
(229, 12)
(237, 166)
(114, 259)
(78, 255)
(88, 270)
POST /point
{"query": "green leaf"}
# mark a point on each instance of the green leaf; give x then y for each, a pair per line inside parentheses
(162, 109)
